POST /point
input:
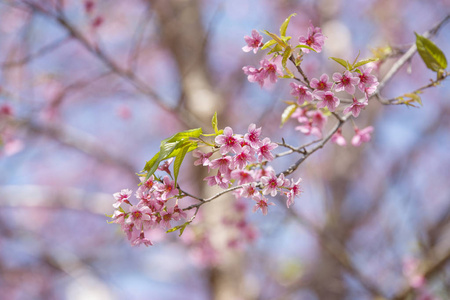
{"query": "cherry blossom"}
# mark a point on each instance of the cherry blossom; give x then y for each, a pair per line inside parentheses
(338, 138)
(345, 82)
(253, 43)
(203, 158)
(261, 203)
(228, 142)
(122, 196)
(264, 150)
(315, 39)
(327, 99)
(167, 188)
(367, 83)
(301, 92)
(361, 136)
(321, 84)
(252, 137)
(356, 107)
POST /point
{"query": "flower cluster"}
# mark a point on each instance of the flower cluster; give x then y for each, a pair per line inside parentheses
(315, 98)
(242, 160)
(157, 207)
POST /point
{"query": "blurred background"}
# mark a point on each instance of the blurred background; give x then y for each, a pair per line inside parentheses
(89, 88)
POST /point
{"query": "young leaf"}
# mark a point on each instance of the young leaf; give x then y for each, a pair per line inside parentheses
(268, 44)
(285, 24)
(276, 38)
(342, 62)
(191, 133)
(363, 62)
(214, 123)
(179, 159)
(432, 56)
(164, 152)
(287, 53)
(287, 113)
(307, 47)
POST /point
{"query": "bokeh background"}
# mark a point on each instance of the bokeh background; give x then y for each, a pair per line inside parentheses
(89, 88)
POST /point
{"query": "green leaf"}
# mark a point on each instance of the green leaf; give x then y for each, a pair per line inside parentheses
(363, 62)
(276, 38)
(342, 62)
(268, 44)
(432, 56)
(307, 47)
(287, 53)
(179, 227)
(191, 133)
(287, 113)
(214, 123)
(285, 24)
(179, 159)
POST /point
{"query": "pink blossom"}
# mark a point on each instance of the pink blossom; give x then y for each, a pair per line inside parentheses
(345, 82)
(294, 191)
(321, 84)
(149, 183)
(203, 158)
(165, 166)
(6, 110)
(167, 188)
(166, 217)
(118, 217)
(271, 70)
(272, 184)
(131, 230)
(253, 42)
(241, 160)
(249, 190)
(261, 203)
(308, 129)
(221, 163)
(355, 108)
(122, 196)
(141, 239)
(301, 92)
(338, 138)
(178, 213)
(217, 179)
(318, 118)
(228, 142)
(367, 83)
(268, 70)
(300, 115)
(138, 215)
(315, 39)
(327, 99)
(252, 137)
(243, 176)
(361, 136)
(264, 150)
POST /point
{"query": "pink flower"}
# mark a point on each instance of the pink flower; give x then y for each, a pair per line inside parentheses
(271, 70)
(241, 160)
(308, 129)
(252, 137)
(367, 83)
(228, 142)
(345, 82)
(318, 118)
(315, 39)
(321, 85)
(165, 166)
(327, 99)
(294, 191)
(261, 203)
(178, 213)
(122, 196)
(356, 107)
(268, 70)
(253, 42)
(243, 176)
(166, 217)
(361, 136)
(149, 183)
(141, 239)
(249, 190)
(337, 138)
(264, 150)
(218, 179)
(203, 158)
(167, 188)
(301, 92)
(300, 115)
(221, 163)
(138, 215)
(272, 184)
